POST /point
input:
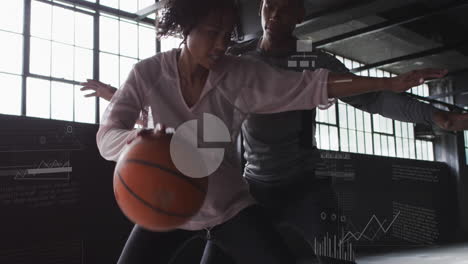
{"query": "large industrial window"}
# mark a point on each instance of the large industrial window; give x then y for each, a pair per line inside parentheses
(11, 56)
(345, 128)
(41, 75)
(123, 42)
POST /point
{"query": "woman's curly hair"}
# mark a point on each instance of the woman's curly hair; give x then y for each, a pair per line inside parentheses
(179, 17)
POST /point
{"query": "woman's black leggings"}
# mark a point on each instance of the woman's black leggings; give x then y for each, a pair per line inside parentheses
(247, 238)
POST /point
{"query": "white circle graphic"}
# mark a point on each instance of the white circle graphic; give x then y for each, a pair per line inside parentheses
(191, 159)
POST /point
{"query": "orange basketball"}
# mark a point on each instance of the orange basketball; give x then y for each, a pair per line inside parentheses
(150, 190)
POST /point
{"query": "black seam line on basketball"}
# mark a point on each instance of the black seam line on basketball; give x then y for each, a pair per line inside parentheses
(159, 210)
(176, 173)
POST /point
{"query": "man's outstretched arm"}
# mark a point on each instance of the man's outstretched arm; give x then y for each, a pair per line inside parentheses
(402, 107)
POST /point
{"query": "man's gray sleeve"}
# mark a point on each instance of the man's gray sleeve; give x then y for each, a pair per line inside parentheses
(396, 106)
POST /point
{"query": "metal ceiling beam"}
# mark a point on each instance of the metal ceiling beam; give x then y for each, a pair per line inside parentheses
(345, 13)
(411, 56)
(334, 10)
(107, 10)
(389, 24)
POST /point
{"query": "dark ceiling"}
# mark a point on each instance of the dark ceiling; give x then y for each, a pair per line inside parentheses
(437, 36)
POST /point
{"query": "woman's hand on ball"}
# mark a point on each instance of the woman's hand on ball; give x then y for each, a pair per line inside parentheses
(159, 131)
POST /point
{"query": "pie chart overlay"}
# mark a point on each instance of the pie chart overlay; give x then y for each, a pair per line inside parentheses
(197, 146)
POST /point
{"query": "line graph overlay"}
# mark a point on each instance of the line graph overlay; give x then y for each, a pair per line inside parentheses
(359, 235)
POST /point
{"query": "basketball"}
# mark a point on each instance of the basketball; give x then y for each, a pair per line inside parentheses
(149, 189)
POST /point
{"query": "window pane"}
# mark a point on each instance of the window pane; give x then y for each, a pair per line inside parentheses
(11, 53)
(389, 125)
(40, 57)
(62, 61)
(412, 149)
(404, 129)
(430, 151)
(38, 98)
(398, 128)
(384, 145)
(376, 122)
(410, 130)
(322, 116)
(102, 107)
(317, 137)
(391, 146)
(369, 145)
(466, 154)
(109, 35)
(334, 144)
(418, 149)
(377, 144)
(10, 90)
(360, 142)
(351, 118)
(383, 124)
(41, 20)
(425, 90)
(62, 101)
(84, 30)
(110, 3)
(126, 66)
(406, 151)
(83, 64)
(147, 42)
(424, 150)
(11, 15)
(128, 39)
(344, 140)
(380, 73)
(129, 6)
(332, 115)
(348, 63)
(144, 3)
(399, 147)
(85, 108)
(367, 122)
(352, 141)
(63, 29)
(109, 69)
(342, 115)
(324, 137)
(341, 59)
(359, 120)
(364, 73)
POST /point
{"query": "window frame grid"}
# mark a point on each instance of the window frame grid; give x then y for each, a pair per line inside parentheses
(84, 7)
(407, 139)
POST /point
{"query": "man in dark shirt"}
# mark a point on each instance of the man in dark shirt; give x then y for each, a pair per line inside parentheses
(280, 149)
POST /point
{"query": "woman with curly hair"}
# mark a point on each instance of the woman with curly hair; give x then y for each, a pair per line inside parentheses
(181, 85)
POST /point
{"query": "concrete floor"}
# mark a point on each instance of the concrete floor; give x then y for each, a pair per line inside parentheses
(457, 254)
